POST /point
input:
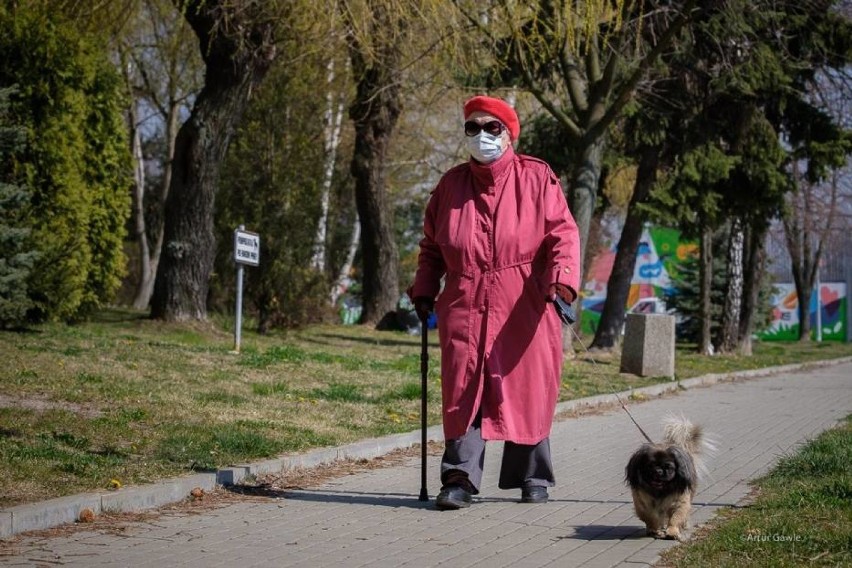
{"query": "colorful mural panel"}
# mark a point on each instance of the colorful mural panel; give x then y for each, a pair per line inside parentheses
(660, 251)
(832, 299)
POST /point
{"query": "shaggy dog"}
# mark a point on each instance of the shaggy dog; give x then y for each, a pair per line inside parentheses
(663, 477)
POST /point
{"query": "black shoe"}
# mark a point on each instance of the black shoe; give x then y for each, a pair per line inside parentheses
(453, 497)
(534, 494)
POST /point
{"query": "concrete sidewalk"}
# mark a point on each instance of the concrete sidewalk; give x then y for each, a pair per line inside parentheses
(375, 519)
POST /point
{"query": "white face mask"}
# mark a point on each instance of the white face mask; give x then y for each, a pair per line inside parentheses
(484, 147)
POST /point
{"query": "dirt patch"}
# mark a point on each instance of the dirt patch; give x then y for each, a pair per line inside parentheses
(40, 403)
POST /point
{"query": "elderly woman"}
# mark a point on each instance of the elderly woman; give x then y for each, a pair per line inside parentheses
(498, 230)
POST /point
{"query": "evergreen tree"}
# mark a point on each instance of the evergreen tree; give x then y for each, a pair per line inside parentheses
(685, 296)
(743, 82)
(16, 253)
(76, 163)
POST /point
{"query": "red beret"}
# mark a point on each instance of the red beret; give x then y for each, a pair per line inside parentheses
(497, 108)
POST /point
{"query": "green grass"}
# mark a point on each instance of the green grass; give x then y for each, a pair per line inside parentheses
(200, 447)
(340, 392)
(123, 397)
(802, 515)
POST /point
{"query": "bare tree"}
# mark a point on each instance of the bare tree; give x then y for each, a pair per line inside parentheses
(384, 39)
(808, 223)
(238, 46)
(163, 70)
(375, 49)
(583, 61)
(332, 123)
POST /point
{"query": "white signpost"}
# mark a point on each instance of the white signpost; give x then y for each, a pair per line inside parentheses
(246, 252)
(246, 247)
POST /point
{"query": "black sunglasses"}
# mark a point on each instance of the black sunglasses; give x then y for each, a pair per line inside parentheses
(492, 127)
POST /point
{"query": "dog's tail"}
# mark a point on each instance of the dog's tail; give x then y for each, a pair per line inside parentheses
(678, 430)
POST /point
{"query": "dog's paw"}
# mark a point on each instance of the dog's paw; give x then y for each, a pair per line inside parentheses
(672, 534)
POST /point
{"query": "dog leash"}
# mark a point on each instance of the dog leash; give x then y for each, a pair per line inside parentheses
(566, 318)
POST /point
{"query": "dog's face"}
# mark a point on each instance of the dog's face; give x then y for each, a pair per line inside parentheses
(660, 470)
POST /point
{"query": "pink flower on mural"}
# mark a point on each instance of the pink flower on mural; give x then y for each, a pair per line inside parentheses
(827, 295)
(830, 300)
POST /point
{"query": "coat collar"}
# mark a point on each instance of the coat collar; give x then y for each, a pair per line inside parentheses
(487, 176)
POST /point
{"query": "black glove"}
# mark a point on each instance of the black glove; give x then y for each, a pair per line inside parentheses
(423, 306)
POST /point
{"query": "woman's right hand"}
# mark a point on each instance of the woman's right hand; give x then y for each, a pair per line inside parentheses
(423, 306)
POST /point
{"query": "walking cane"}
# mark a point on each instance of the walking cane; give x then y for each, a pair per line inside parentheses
(424, 370)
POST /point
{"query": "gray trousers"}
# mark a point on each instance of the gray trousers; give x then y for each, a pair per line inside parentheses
(522, 466)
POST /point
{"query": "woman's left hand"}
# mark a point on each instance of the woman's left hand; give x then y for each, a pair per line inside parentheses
(563, 291)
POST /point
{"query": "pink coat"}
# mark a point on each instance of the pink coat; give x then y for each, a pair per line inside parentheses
(500, 234)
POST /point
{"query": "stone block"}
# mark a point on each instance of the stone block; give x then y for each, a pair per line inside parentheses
(232, 475)
(648, 349)
(50, 513)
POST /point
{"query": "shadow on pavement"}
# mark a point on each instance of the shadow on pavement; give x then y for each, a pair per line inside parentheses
(606, 532)
(351, 497)
(377, 499)
(411, 501)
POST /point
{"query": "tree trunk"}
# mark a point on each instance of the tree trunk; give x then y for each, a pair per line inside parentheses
(802, 270)
(733, 299)
(705, 272)
(138, 206)
(380, 281)
(333, 119)
(375, 112)
(804, 309)
(145, 288)
(339, 285)
(584, 192)
(805, 241)
(804, 275)
(608, 333)
(798, 234)
(237, 49)
(754, 271)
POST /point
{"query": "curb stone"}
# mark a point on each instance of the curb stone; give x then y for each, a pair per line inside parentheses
(63, 510)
